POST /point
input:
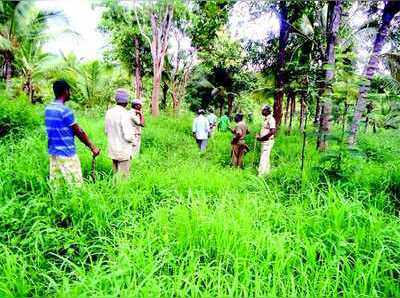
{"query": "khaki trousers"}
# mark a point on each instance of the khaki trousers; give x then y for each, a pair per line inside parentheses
(238, 152)
(68, 168)
(265, 166)
(121, 167)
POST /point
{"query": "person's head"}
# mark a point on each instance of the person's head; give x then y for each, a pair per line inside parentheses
(200, 112)
(238, 117)
(211, 110)
(121, 97)
(137, 104)
(266, 110)
(61, 90)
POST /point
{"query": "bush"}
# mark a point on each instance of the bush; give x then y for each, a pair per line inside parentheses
(17, 115)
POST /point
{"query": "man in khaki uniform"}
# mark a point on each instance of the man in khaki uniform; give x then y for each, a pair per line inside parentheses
(239, 147)
(137, 118)
(266, 137)
(120, 134)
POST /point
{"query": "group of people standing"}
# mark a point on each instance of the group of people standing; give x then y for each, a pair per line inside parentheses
(204, 127)
(123, 128)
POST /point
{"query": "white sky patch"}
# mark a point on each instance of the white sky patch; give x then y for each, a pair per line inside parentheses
(244, 26)
(88, 43)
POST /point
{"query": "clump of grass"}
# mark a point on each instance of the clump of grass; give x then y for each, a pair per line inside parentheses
(186, 224)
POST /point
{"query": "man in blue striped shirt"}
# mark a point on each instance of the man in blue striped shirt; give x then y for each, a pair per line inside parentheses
(61, 129)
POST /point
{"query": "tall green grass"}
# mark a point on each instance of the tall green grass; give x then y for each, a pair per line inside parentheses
(186, 224)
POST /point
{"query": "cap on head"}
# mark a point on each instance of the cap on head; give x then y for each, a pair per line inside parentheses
(121, 96)
(238, 117)
(137, 101)
(266, 108)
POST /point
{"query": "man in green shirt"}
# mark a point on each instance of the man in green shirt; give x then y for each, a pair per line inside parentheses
(223, 124)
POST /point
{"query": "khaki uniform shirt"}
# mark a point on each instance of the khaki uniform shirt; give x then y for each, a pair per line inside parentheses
(241, 128)
(268, 124)
(136, 122)
(120, 133)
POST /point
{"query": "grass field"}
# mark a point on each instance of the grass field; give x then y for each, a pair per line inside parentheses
(187, 224)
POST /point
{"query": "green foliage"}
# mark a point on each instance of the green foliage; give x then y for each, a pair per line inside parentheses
(121, 25)
(93, 83)
(17, 116)
(207, 19)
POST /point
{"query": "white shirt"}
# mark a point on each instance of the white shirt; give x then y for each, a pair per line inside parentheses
(268, 124)
(212, 119)
(201, 127)
(120, 133)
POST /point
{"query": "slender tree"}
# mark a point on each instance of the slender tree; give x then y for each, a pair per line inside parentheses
(280, 78)
(138, 69)
(334, 15)
(390, 10)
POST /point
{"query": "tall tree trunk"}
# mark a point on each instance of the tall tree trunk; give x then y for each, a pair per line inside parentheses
(281, 75)
(318, 108)
(159, 47)
(138, 70)
(334, 14)
(302, 123)
(175, 102)
(163, 103)
(390, 10)
(292, 99)
(7, 71)
(231, 98)
(287, 109)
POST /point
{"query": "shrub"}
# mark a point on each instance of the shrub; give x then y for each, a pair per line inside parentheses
(17, 115)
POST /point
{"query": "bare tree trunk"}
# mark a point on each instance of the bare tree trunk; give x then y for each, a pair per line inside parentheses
(165, 88)
(138, 70)
(231, 98)
(7, 71)
(158, 50)
(317, 108)
(175, 102)
(302, 110)
(280, 78)
(334, 14)
(292, 99)
(390, 10)
(287, 109)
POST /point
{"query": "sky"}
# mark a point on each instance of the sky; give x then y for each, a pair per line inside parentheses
(87, 43)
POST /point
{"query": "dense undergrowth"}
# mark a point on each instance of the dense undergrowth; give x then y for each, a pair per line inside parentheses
(187, 224)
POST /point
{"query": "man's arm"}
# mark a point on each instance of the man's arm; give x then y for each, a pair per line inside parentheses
(83, 137)
(272, 132)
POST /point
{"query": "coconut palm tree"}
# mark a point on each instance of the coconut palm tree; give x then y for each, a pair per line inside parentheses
(390, 10)
(22, 27)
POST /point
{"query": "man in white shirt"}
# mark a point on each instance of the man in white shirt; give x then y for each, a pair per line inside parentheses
(201, 130)
(212, 119)
(120, 134)
(266, 137)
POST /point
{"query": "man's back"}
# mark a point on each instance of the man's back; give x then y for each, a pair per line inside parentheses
(120, 133)
(201, 127)
(59, 120)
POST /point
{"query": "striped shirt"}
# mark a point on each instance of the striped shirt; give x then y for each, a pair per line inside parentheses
(59, 120)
